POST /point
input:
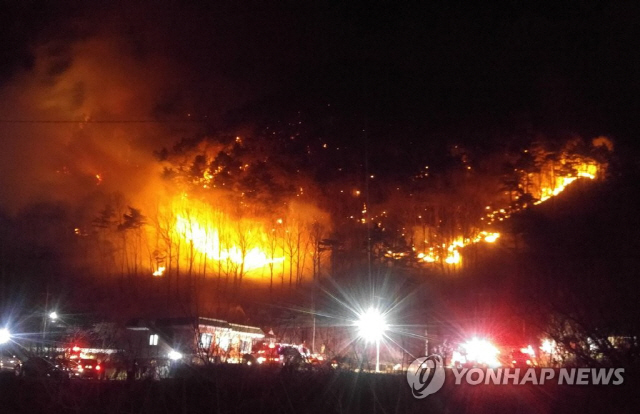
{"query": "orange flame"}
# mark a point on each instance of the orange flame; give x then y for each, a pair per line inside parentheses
(206, 239)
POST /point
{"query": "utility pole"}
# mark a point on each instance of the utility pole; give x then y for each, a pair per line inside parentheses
(377, 355)
(426, 342)
(44, 318)
(313, 336)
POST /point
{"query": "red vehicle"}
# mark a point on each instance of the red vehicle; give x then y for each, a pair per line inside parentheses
(88, 368)
(264, 354)
(520, 359)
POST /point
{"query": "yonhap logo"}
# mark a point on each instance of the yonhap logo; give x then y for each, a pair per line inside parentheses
(425, 375)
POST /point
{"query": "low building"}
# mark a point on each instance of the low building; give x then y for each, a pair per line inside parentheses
(191, 339)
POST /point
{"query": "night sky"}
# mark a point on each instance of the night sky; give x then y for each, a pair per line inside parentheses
(550, 66)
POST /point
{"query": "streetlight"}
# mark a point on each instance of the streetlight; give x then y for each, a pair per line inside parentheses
(5, 336)
(46, 317)
(371, 326)
(174, 355)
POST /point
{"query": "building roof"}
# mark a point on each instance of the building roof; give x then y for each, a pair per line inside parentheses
(184, 322)
(138, 324)
(247, 330)
(217, 323)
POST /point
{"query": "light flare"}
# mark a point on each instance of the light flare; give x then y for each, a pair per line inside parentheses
(371, 325)
(482, 351)
(5, 336)
(528, 350)
(548, 346)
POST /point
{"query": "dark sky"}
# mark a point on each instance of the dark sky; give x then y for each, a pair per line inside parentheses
(423, 70)
(438, 66)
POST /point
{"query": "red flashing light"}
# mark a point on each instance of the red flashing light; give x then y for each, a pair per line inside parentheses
(97, 367)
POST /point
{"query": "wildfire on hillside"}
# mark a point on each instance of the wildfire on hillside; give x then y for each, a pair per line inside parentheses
(192, 237)
(246, 250)
(242, 231)
(545, 177)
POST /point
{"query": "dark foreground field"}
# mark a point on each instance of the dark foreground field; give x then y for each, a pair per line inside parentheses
(236, 389)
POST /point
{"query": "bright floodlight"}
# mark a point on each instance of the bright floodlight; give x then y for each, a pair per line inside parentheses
(53, 315)
(5, 336)
(482, 351)
(371, 325)
(174, 355)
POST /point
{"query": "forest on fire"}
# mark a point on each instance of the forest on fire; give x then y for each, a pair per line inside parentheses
(229, 221)
(283, 203)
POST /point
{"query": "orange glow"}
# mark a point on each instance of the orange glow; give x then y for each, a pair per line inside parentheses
(451, 252)
(189, 235)
(453, 257)
(206, 239)
(551, 177)
(491, 237)
(550, 182)
(193, 233)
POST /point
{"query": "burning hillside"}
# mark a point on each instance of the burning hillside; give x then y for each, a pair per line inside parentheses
(154, 181)
(447, 222)
(232, 209)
